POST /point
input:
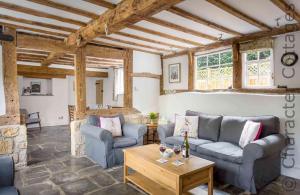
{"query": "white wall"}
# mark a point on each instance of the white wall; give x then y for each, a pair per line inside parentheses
(239, 105)
(183, 84)
(2, 97)
(146, 91)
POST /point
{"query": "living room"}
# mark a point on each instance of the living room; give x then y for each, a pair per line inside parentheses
(149, 97)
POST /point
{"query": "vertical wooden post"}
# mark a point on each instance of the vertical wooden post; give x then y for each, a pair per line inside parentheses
(237, 66)
(80, 84)
(128, 69)
(12, 115)
(191, 76)
(161, 80)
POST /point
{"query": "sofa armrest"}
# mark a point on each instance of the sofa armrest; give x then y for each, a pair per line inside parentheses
(6, 171)
(96, 132)
(165, 131)
(134, 130)
(264, 147)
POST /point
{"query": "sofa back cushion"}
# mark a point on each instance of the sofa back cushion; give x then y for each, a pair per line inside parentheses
(232, 127)
(208, 125)
(95, 120)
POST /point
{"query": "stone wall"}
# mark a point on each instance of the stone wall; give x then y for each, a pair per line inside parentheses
(13, 142)
(77, 140)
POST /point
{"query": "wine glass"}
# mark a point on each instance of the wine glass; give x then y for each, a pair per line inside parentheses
(177, 150)
(162, 148)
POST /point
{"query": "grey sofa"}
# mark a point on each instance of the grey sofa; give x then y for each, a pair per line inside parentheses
(250, 168)
(105, 149)
(7, 176)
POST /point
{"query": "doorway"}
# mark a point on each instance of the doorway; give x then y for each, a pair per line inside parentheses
(99, 92)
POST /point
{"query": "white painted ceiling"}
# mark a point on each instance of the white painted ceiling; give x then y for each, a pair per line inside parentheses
(261, 10)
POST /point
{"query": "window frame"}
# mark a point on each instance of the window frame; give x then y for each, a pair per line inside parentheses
(207, 66)
(245, 69)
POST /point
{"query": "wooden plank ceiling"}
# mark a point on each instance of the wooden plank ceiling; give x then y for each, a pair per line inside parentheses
(185, 25)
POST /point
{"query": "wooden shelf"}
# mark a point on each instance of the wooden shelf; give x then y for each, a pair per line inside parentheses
(148, 185)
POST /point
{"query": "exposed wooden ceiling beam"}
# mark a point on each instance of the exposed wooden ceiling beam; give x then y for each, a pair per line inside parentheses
(238, 14)
(33, 29)
(65, 8)
(126, 13)
(29, 11)
(157, 33)
(102, 3)
(47, 70)
(189, 16)
(42, 75)
(126, 47)
(286, 8)
(180, 28)
(149, 40)
(41, 24)
(29, 51)
(52, 57)
(137, 44)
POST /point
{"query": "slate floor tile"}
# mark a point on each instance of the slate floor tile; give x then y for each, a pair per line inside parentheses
(78, 187)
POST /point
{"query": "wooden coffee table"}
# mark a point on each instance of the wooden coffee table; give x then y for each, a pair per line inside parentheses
(165, 179)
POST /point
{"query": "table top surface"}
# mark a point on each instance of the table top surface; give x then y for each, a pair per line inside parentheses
(151, 153)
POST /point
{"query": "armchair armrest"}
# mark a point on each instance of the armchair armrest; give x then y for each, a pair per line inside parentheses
(96, 132)
(264, 147)
(6, 171)
(165, 131)
(134, 130)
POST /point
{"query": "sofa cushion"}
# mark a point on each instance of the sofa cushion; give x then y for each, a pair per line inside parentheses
(208, 125)
(232, 127)
(222, 150)
(122, 142)
(10, 190)
(192, 141)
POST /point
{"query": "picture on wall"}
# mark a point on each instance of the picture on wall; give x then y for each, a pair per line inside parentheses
(35, 87)
(174, 73)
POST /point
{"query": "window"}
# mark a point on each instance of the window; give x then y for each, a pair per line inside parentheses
(258, 68)
(214, 71)
(118, 82)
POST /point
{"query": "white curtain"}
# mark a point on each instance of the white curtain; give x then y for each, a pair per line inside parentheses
(118, 82)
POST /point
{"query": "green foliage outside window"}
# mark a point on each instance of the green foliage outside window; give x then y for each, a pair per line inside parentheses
(213, 59)
(226, 57)
(264, 54)
(252, 55)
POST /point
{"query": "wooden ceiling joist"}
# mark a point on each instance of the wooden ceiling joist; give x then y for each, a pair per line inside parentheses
(165, 35)
(286, 8)
(102, 3)
(149, 40)
(126, 13)
(238, 14)
(52, 57)
(30, 51)
(42, 75)
(180, 28)
(66, 8)
(189, 16)
(137, 44)
(33, 29)
(40, 24)
(46, 70)
(33, 12)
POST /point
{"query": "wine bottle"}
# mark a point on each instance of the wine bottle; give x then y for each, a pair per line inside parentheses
(186, 146)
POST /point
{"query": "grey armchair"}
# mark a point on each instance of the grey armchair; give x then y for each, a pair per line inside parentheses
(7, 176)
(105, 149)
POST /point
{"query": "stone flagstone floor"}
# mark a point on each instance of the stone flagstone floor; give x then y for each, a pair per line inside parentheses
(53, 171)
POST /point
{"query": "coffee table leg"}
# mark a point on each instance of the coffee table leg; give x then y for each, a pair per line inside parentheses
(125, 169)
(179, 186)
(211, 181)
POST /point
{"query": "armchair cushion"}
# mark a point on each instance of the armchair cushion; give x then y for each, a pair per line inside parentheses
(6, 171)
(9, 191)
(264, 147)
(97, 133)
(95, 120)
(134, 130)
(222, 150)
(123, 142)
(32, 120)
